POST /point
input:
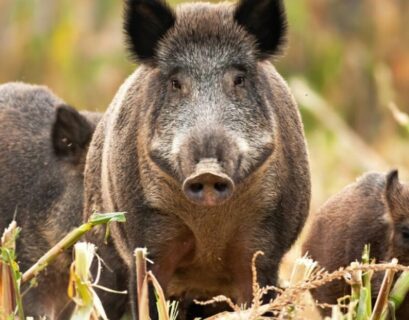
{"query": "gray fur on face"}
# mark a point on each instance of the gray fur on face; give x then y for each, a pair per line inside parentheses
(205, 52)
(206, 38)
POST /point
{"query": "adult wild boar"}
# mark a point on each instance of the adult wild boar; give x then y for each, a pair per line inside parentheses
(373, 210)
(43, 145)
(203, 147)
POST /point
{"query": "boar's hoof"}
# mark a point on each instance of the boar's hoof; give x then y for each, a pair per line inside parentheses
(208, 189)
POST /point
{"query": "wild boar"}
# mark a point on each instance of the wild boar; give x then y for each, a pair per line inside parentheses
(43, 146)
(203, 147)
(373, 210)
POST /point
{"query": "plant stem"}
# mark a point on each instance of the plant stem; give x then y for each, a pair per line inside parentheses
(50, 255)
(382, 300)
(142, 283)
(69, 240)
(16, 286)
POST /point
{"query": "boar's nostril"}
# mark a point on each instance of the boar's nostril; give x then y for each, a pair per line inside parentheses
(196, 187)
(221, 186)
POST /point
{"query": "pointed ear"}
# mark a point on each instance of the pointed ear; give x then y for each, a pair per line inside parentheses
(145, 23)
(392, 183)
(392, 192)
(71, 133)
(266, 21)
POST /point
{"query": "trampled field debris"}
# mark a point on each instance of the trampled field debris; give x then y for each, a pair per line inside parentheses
(287, 305)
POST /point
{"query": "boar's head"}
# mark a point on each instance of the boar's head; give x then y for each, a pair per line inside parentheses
(212, 125)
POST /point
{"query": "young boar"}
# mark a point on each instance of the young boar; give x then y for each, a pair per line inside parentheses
(43, 145)
(203, 147)
(373, 210)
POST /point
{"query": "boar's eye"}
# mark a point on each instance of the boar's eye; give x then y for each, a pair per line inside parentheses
(239, 81)
(176, 85)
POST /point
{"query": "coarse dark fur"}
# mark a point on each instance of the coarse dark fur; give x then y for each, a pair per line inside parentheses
(203, 97)
(373, 210)
(43, 146)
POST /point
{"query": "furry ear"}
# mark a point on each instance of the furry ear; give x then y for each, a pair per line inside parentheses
(392, 191)
(145, 23)
(71, 133)
(392, 182)
(266, 20)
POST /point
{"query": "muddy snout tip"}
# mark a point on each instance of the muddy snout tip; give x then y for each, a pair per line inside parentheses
(208, 188)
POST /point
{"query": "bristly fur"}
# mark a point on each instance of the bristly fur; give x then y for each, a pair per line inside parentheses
(372, 211)
(145, 23)
(266, 20)
(43, 147)
(206, 35)
(203, 103)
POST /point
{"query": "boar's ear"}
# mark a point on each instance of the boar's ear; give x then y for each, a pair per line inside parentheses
(266, 20)
(392, 191)
(71, 133)
(145, 23)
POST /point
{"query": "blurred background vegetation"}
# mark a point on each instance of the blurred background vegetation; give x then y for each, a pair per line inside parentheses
(353, 56)
(347, 63)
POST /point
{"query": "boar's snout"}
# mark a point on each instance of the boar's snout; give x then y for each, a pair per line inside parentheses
(208, 185)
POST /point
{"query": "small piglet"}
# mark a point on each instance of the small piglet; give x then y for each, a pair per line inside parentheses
(374, 210)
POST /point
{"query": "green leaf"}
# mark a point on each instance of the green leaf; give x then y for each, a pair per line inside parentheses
(400, 289)
(101, 218)
(362, 307)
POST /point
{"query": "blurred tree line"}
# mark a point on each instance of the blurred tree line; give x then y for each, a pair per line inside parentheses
(354, 54)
